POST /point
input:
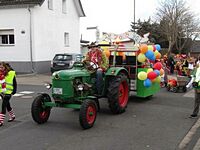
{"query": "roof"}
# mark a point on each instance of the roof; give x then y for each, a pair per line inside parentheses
(12, 3)
(79, 8)
(20, 2)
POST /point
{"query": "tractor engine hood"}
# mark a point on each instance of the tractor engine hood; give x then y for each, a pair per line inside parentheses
(70, 74)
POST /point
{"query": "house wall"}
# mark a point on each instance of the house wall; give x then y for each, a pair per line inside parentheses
(48, 27)
(17, 19)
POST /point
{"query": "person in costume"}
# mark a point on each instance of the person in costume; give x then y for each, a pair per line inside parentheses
(7, 89)
(96, 55)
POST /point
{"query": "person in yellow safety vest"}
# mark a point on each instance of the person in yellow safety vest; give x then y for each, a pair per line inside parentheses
(195, 80)
(11, 87)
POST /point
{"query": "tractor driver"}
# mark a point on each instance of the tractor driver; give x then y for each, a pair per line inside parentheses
(96, 55)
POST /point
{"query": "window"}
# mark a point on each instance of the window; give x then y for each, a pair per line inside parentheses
(7, 37)
(64, 6)
(66, 39)
(50, 4)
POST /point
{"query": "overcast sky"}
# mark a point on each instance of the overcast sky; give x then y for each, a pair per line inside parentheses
(116, 15)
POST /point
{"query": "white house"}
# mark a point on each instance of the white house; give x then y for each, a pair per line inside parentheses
(32, 31)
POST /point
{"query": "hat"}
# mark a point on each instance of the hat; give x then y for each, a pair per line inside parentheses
(93, 44)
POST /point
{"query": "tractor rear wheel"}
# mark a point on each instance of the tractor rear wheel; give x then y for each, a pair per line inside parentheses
(118, 94)
(88, 113)
(40, 113)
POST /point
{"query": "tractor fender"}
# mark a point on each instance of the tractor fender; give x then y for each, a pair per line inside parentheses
(114, 71)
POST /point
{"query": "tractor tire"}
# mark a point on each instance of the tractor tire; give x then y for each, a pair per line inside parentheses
(118, 94)
(184, 89)
(40, 113)
(168, 87)
(88, 113)
(175, 89)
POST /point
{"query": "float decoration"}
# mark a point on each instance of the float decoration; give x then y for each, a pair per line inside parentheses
(150, 54)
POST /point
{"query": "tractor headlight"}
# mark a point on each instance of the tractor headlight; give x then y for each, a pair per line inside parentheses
(48, 85)
(80, 87)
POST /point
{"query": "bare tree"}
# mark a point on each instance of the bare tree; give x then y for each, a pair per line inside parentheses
(176, 22)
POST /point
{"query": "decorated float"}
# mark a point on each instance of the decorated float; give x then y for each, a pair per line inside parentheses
(142, 60)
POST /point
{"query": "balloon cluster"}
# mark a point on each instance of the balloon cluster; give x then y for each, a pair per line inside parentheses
(152, 75)
(151, 52)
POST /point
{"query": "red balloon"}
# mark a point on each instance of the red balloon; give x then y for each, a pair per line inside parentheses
(157, 66)
(151, 75)
(154, 48)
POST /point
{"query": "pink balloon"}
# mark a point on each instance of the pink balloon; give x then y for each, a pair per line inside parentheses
(154, 48)
(157, 66)
(151, 75)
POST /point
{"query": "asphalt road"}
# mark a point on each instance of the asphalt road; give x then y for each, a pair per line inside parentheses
(160, 123)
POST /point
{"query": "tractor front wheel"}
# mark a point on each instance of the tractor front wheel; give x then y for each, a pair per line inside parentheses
(88, 113)
(118, 94)
(40, 113)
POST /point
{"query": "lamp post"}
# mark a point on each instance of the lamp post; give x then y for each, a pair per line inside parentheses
(134, 15)
(97, 32)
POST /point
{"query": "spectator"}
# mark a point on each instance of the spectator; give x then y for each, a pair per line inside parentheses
(7, 91)
(195, 79)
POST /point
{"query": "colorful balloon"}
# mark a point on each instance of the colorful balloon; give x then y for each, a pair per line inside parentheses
(157, 66)
(151, 75)
(149, 54)
(162, 71)
(158, 47)
(153, 58)
(158, 79)
(158, 56)
(142, 75)
(157, 72)
(147, 83)
(143, 48)
(141, 57)
(154, 48)
(150, 47)
(149, 70)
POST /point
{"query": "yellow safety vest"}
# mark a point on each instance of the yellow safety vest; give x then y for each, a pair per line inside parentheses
(9, 82)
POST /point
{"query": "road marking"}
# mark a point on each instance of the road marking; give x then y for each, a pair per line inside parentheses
(23, 93)
(186, 140)
(26, 92)
(18, 94)
(189, 94)
(26, 96)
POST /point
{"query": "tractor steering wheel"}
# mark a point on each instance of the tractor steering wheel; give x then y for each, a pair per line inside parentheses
(90, 66)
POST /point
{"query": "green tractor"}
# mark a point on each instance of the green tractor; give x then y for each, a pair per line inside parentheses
(75, 88)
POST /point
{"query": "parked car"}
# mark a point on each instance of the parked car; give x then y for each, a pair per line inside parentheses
(64, 61)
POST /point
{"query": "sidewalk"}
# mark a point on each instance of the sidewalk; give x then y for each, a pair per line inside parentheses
(33, 79)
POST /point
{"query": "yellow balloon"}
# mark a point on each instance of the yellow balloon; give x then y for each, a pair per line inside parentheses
(149, 70)
(158, 79)
(150, 47)
(142, 75)
(141, 58)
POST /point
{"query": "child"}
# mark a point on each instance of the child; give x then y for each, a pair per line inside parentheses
(7, 90)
